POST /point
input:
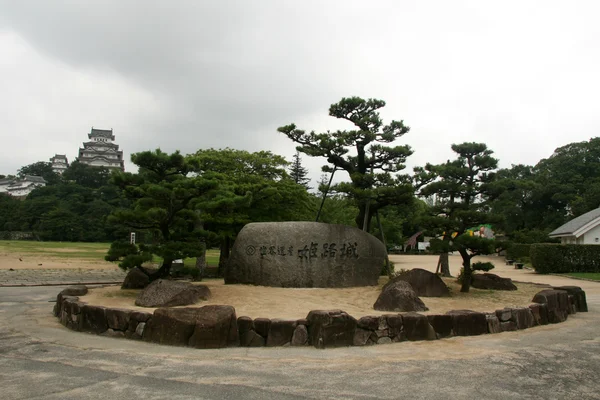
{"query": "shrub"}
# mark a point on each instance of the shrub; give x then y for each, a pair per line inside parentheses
(562, 258)
(518, 251)
(482, 266)
(384, 269)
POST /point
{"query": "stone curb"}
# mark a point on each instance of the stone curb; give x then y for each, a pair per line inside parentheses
(216, 326)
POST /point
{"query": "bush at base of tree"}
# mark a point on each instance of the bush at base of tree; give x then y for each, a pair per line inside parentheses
(564, 258)
(482, 266)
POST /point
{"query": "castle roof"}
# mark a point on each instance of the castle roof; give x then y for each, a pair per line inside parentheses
(105, 133)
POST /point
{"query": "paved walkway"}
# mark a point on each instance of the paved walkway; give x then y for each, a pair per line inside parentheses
(39, 277)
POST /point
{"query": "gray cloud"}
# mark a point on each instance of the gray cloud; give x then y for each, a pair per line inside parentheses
(185, 75)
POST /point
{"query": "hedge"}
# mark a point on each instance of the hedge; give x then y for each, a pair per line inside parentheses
(517, 251)
(562, 258)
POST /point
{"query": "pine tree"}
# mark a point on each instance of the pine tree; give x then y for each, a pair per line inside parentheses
(298, 173)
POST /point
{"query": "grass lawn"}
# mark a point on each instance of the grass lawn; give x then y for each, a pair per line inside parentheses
(79, 250)
(587, 275)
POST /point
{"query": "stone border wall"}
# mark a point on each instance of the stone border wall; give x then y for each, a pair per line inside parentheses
(216, 326)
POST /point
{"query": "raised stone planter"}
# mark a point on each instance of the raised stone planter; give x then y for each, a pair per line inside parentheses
(304, 254)
(216, 326)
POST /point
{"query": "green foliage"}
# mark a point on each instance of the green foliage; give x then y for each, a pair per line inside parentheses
(564, 258)
(518, 251)
(482, 266)
(460, 188)
(40, 168)
(363, 154)
(165, 201)
(298, 173)
(87, 175)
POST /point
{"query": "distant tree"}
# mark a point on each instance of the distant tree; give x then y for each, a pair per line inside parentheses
(165, 198)
(372, 166)
(87, 175)
(460, 187)
(40, 168)
(298, 173)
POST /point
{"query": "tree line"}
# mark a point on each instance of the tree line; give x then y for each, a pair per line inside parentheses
(180, 204)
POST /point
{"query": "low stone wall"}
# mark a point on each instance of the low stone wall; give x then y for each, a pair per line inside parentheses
(217, 326)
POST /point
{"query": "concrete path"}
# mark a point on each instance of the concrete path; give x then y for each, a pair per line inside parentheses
(40, 359)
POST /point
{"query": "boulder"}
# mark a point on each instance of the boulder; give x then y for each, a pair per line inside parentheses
(468, 323)
(540, 313)
(493, 323)
(304, 254)
(165, 293)
(251, 339)
(442, 325)
(212, 326)
(334, 328)
(135, 279)
(135, 318)
(579, 294)
(118, 318)
(557, 303)
(261, 326)
(368, 322)
(508, 326)
(416, 327)
(245, 324)
(75, 290)
(361, 337)
(399, 296)
(424, 283)
(216, 327)
(491, 282)
(395, 327)
(300, 336)
(281, 332)
(522, 317)
(93, 319)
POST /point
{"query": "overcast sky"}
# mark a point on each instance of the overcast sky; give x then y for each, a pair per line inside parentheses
(521, 76)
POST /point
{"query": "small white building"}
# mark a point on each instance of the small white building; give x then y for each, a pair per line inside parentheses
(22, 187)
(584, 229)
(59, 163)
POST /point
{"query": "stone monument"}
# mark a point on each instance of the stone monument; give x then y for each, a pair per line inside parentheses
(305, 255)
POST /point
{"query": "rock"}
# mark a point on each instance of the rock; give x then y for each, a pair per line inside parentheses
(280, 332)
(117, 318)
(442, 324)
(139, 329)
(424, 283)
(136, 317)
(399, 296)
(172, 326)
(216, 327)
(540, 313)
(395, 327)
(579, 294)
(300, 336)
(245, 324)
(165, 293)
(522, 317)
(557, 302)
(135, 279)
(416, 327)
(384, 340)
(572, 306)
(491, 281)
(504, 315)
(334, 328)
(468, 323)
(369, 322)
(93, 319)
(493, 323)
(75, 290)
(112, 333)
(212, 326)
(508, 326)
(304, 254)
(261, 326)
(251, 339)
(361, 337)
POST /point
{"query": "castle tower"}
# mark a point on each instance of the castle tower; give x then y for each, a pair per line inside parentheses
(100, 151)
(59, 163)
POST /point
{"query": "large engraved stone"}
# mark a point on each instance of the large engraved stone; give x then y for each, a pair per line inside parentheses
(304, 254)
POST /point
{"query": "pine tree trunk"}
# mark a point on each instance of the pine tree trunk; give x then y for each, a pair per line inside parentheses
(223, 256)
(445, 265)
(163, 271)
(201, 264)
(467, 273)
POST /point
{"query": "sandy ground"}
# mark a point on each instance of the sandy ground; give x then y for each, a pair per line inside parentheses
(268, 302)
